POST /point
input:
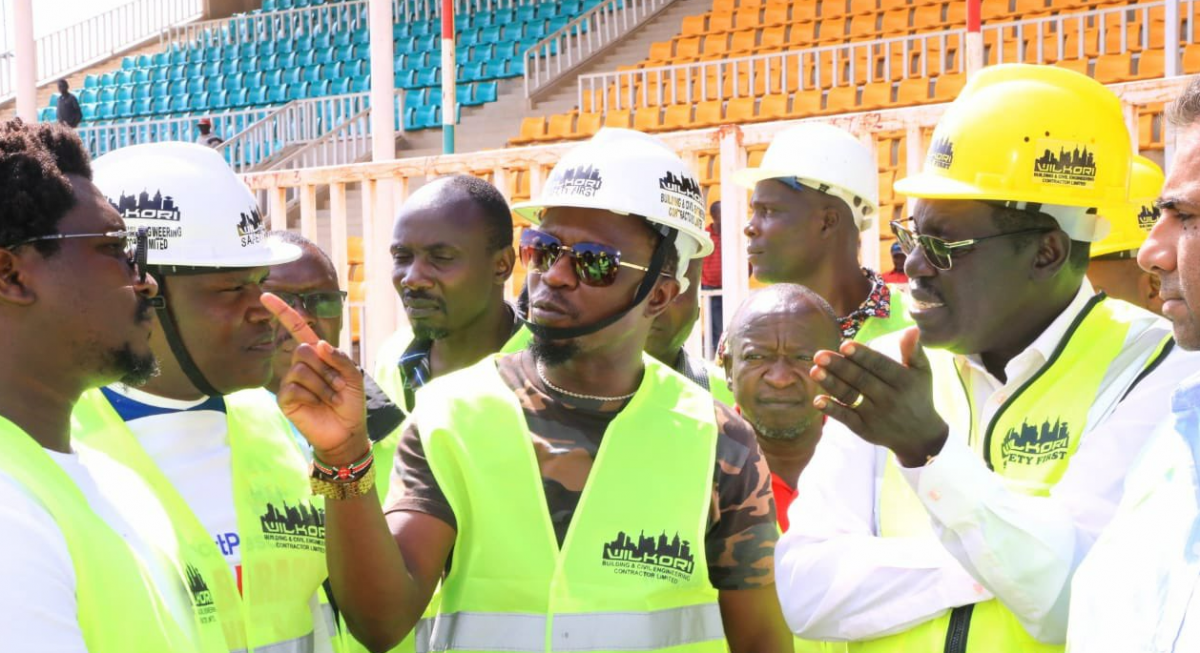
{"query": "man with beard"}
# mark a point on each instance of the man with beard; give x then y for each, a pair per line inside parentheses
(990, 455)
(1136, 590)
(594, 499)
(89, 563)
(772, 339)
(815, 192)
(204, 433)
(672, 328)
(451, 256)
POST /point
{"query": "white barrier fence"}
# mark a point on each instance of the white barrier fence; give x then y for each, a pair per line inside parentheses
(100, 139)
(100, 37)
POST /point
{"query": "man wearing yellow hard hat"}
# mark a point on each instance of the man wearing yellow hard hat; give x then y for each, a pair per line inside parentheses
(991, 452)
(1114, 268)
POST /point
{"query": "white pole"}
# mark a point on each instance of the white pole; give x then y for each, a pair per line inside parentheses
(735, 280)
(383, 125)
(25, 61)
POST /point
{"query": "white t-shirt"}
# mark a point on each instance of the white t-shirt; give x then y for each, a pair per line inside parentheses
(189, 440)
(38, 610)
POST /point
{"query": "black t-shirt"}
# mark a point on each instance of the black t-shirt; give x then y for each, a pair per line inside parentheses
(68, 111)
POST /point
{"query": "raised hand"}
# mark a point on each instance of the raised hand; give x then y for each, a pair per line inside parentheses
(322, 393)
(886, 403)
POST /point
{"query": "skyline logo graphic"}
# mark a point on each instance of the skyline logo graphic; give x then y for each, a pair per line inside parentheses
(297, 527)
(1036, 446)
(683, 199)
(683, 184)
(578, 181)
(206, 608)
(144, 207)
(941, 153)
(662, 559)
(1071, 166)
(1148, 216)
(250, 228)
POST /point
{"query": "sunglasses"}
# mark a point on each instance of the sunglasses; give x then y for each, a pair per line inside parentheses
(594, 264)
(135, 249)
(938, 251)
(325, 304)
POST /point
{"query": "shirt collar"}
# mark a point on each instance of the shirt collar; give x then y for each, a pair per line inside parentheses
(414, 362)
(1043, 347)
(878, 304)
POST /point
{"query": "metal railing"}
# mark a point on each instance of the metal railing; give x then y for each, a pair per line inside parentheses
(347, 143)
(583, 38)
(382, 186)
(93, 40)
(1082, 35)
(100, 139)
(295, 123)
(279, 25)
(820, 67)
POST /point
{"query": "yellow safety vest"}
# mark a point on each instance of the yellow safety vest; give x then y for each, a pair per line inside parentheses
(387, 362)
(631, 574)
(876, 327)
(281, 525)
(118, 607)
(1029, 443)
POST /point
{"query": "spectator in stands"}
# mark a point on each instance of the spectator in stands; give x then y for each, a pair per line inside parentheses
(451, 254)
(67, 108)
(206, 136)
(816, 191)
(770, 346)
(672, 328)
(897, 277)
(710, 279)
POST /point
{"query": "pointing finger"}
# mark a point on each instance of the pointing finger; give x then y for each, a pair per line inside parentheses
(290, 319)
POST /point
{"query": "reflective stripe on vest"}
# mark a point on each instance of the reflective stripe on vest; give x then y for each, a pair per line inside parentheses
(876, 327)
(118, 607)
(1029, 443)
(631, 574)
(630, 631)
(280, 523)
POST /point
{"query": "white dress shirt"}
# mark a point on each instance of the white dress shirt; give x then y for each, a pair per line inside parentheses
(1137, 590)
(839, 580)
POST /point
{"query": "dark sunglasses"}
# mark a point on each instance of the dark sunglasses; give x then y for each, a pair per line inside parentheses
(135, 249)
(595, 264)
(325, 304)
(937, 250)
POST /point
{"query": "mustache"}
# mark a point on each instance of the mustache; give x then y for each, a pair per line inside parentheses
(409, 296)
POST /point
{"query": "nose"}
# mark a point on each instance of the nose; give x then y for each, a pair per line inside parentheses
(147, 288)
(1159, 254)
(256, 313)
(751, 228)
(415, 276)
(780, 374)
(561, 273)
(917, 265)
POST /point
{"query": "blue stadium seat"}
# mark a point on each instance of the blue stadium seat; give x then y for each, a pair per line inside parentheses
(340, 87)
(47, 114)
(160, 73)
(320, 88)
(361, 84)
(228, 67)
(177, 73)
(248, 64)
(267, 48)
(142, 91)
(195, 70)
(490, 35)
(198, 102)
(178, 57)
(401, 31)
(107, 94)
(194, 86)
(122, 77)
(311, 73)
(483, 52)
(495, 69)
(462, 95)
(128, 63)
(123, 109)
(307, 57)
(361, 37)
(278, 94)
(161, 59)
(231, 52)
(235, 82)
(86, 95)
(429, 76)
(104, 110)
(210, 69)
(343, 53)
(143, 107)
(486, 92)
(361, 51)
(239, 98)
(323, 41)
(273, 79)
(433, 95)
(429, 116)
(292, 76)
(426, 28)
(405, 79)
(342, 37)
(471, 72)
(356, 69)
(161, 105)
(212, 84)
(257, 96)
(254, 80)
(525, 13)
(333, 71)
(467, 38)
(297, 91)
(212, 54)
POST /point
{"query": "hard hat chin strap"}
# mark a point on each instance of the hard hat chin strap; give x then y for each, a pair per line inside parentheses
(655, 269)
(175, 341)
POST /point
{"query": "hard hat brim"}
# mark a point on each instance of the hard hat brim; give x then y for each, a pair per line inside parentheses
(268, 253)
(748, 177)
(924, 185)
(531, 211)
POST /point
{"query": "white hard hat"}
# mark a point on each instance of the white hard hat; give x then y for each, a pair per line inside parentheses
(826, 158)
(198, 212)
(631, 173)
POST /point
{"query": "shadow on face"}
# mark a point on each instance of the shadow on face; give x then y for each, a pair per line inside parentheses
(673, 327)
(311, 283)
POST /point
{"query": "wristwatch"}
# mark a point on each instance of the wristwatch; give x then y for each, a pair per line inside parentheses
(343, 489)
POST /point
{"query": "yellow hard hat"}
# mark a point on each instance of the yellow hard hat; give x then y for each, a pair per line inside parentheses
(1036, 137)
(1133, 220)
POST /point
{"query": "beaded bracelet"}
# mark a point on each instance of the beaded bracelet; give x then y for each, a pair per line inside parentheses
(344, 474)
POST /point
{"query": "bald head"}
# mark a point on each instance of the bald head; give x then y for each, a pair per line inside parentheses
(455, 193)
(771, 342)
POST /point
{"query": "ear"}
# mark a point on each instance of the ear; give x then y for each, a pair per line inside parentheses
(14, 280)
(503, 264)
(664, 292)
(831, 220)
(727, 363)
(1053, 252)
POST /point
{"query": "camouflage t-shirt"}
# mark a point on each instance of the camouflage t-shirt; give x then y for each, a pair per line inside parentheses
(566, 434)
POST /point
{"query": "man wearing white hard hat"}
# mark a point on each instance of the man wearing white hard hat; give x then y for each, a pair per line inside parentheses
(815, 192)
(204, 433)
(988, 455)
(594, 499)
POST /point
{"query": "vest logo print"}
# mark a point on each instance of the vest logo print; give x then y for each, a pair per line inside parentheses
(1036, 446)
(681, 195)
(648, 557)
(578, 182)
(1147, 217)
(1073, 165)
(295, 527)
(941, 153)
(250, 228)
(206, 608)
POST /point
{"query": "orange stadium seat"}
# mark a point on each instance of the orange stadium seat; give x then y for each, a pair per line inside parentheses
(995, 10)
(947, 87)
(531, 130)
(747, 18)
(895, 21)
(588, 124)
(841, 99)
(1151, 64)
(661, 51)
(558, 127)
(724, 5)
(1191, 58)
(647, 119)
(687, 47)
(1112, 68)
(914, 90)
(617, 118)
(805, 103)
(772, 107)
(694, 25)
(718, 44)
(804, 12)
(862, 7)
(802, 35)
(720, 21)
(740, 110)
(708, 114)
(679, 116)
(831, 30)
(743, 41)
(876, 96)
(775, 15)
(774, 37)
(1078, 65)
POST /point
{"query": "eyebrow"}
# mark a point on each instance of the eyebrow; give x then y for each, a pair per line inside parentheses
(1172, 203)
